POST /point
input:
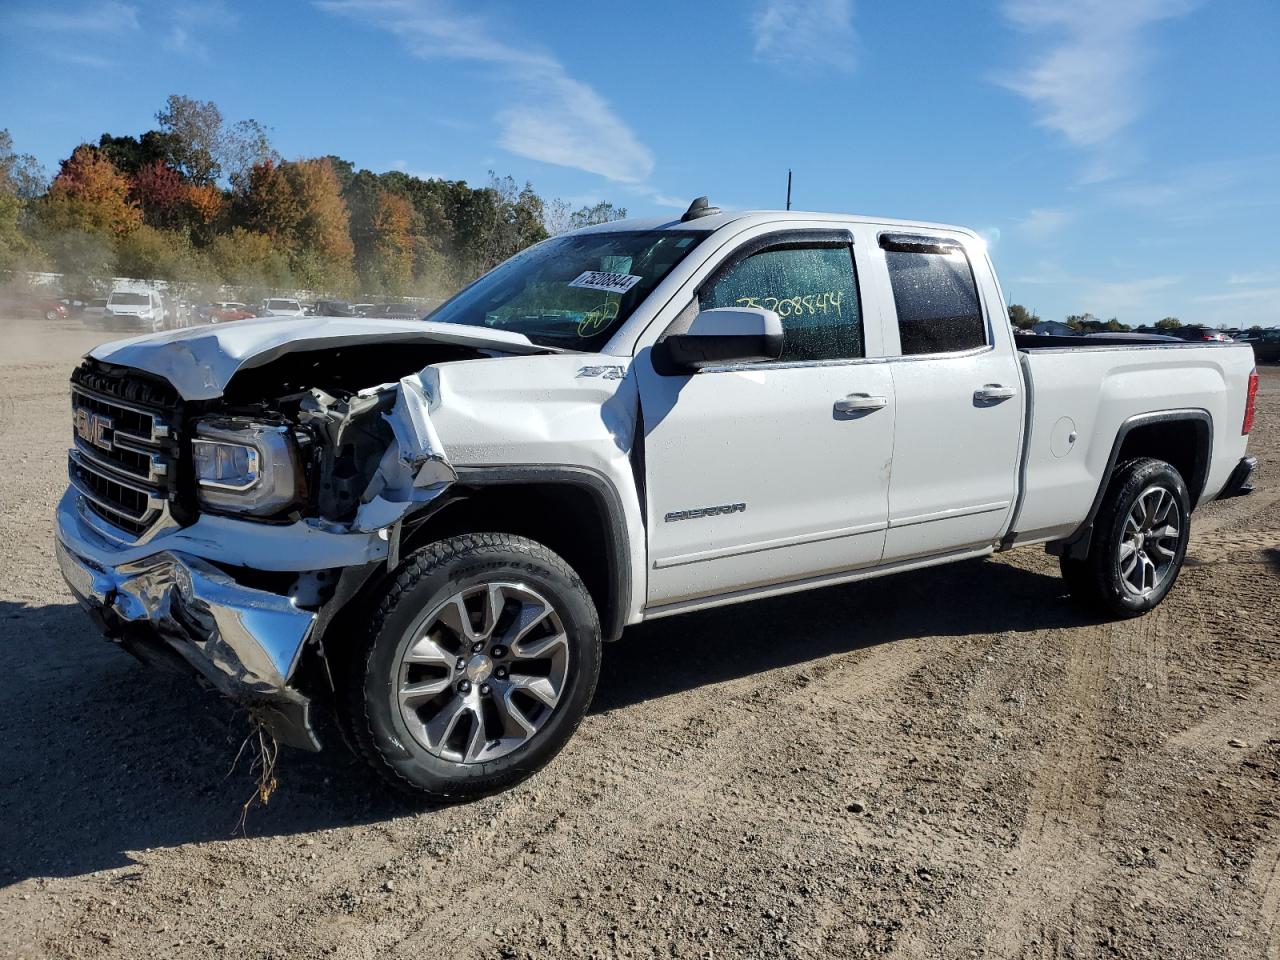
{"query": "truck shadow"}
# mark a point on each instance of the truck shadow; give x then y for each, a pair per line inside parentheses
(100, 756)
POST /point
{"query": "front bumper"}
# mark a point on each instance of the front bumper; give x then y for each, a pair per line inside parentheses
(245, 642)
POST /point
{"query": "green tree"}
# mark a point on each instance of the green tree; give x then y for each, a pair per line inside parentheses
(1168, 323)
(151, 254)
(1021, 317)
(194, 129)
(130, 154)
(250, 260)
(21, 179)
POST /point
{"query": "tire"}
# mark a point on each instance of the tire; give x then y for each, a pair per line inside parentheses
(51, 315)
(1139, 541)
(451, 712)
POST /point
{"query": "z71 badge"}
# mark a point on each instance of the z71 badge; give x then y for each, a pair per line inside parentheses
(698, 512)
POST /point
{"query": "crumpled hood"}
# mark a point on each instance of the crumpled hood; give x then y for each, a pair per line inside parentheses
(201, 361)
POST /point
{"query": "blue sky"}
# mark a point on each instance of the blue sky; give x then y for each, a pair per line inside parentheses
(1121, 156)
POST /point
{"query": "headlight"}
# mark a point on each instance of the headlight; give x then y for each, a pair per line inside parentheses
(246, 467)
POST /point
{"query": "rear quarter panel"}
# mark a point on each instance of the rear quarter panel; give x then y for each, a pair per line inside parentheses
(1092, 392)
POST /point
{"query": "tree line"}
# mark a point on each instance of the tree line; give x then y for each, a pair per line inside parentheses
(202, 202)
(1024, 319)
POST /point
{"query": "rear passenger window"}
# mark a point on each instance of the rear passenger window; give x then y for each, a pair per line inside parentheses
(935, 295)
(812, 288)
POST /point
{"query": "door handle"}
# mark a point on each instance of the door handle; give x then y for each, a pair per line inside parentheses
(860, 403)
(994, 393)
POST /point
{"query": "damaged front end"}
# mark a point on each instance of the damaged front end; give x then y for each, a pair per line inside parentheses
(220, 533)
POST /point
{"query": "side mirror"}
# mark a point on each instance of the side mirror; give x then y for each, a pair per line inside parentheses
(724, 335)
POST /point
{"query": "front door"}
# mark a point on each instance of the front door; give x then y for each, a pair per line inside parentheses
(768, 473)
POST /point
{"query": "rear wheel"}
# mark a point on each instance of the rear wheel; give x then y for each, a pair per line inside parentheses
(1139, 541)
(479, 666)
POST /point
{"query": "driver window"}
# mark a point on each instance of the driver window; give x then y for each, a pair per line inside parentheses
(812, 288)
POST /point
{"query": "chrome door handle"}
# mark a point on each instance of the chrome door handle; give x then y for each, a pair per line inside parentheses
(994, 393)
(860, 403)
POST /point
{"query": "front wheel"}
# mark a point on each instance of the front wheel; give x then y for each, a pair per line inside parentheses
(479, 665)
(1139, 541)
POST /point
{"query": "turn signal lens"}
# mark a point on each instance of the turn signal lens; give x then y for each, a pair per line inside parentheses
(1249, 402)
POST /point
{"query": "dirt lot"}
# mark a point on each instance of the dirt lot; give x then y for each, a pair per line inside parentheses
(952, 763)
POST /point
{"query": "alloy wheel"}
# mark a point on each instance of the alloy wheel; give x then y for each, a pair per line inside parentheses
(483, 672)
(1149, 541)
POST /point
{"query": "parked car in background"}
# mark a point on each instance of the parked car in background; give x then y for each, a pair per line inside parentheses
(362, 309)
(1265, 343)
(94, 310)
(1201, 334)
(282, 307)
(395, 311)
(225, 313)
(134, 310)
(1113, 335)
(334, 308)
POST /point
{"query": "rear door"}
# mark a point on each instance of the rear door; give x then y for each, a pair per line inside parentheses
(763, 474)
(958, 387)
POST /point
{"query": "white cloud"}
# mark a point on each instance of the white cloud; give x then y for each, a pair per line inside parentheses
(1043, 223)
(1126, 297)
(102, 17)
(802, 33)
(78, 59)
(1260, 276)
(1256, 293)
(550, 116)
(1087, 85)
(190, 21)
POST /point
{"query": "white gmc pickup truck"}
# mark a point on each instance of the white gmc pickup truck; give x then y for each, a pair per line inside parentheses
(428, 527)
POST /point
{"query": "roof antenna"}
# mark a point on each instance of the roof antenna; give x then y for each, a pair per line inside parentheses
(699, 208)
(788, 188)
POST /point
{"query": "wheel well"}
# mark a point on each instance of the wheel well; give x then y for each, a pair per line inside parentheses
(1181, 439)
(569, 518)
(1183, 444)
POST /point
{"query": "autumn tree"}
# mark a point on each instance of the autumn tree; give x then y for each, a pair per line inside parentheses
(392, 267)
(267, 203)
(1168, 323)
(90, 195)
(320, 248)
(206, 203)
(161, 195)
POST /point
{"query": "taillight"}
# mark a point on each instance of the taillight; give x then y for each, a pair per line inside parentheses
(1250, 401)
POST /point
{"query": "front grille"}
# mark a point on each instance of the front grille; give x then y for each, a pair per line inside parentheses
(125, 450)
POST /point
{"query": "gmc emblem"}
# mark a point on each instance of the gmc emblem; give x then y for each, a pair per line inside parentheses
(92, 427)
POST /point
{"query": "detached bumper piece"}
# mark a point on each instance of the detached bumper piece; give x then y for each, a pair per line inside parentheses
(178, 609)
(1238, 483)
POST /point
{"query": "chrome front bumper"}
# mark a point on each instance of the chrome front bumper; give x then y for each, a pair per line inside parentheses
(246, 642)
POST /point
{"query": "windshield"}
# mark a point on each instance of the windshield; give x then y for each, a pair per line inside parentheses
(129, 300)
(571, 291)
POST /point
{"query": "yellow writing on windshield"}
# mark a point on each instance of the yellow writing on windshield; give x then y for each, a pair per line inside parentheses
(593, 320)
(809, 304)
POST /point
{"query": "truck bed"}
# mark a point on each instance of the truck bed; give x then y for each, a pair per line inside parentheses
(1082, 394)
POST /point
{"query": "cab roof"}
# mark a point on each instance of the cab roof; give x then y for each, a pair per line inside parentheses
(750, 218)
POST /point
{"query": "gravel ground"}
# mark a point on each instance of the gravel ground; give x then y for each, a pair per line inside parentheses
(950, 763)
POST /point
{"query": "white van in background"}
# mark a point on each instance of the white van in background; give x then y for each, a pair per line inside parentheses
(282, 307)
(134, 310)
